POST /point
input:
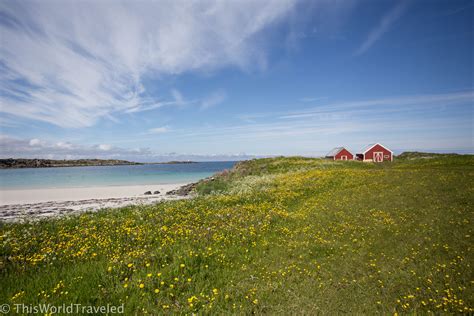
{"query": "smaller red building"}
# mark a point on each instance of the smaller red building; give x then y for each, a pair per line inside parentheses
(340, 153)
(376, 153)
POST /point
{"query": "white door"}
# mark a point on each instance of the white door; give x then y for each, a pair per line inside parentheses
(378, 156)
(343, 157)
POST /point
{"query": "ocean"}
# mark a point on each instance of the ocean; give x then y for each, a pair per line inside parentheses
(98, 176)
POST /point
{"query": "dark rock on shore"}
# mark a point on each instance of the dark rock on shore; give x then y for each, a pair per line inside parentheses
(147, 193)
(156, 192)
(188, 188)
(183, 191)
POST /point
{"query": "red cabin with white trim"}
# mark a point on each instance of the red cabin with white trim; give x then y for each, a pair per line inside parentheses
(340, 153)
(376, 153)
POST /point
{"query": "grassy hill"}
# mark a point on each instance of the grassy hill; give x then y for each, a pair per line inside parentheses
(272, 236)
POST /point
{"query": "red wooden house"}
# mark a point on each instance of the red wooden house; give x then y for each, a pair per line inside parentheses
(375, 153)
(340, 153)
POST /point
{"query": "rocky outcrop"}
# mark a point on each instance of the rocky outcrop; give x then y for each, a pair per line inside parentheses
(187, 189)
(183, 191)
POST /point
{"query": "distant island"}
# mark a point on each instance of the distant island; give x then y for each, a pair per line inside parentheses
(172, 162)
(11, 163)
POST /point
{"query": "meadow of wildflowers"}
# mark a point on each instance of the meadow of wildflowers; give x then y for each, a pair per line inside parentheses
(272, 236)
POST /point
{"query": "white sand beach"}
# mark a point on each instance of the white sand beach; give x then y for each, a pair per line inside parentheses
(32, 204)
(28, 196)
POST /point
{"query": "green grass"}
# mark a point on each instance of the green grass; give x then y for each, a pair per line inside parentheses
(272, 236)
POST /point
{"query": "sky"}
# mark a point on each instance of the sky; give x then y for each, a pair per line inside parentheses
(228, 80)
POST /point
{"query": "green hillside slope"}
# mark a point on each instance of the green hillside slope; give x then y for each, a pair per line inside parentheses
(272, 236)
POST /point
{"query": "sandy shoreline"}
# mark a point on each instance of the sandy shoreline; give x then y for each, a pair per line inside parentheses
(16, 205)
(28, 196)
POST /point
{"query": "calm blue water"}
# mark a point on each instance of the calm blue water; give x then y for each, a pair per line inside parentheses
(108, 175)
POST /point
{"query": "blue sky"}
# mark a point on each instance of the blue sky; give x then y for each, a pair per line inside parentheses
(206, 80)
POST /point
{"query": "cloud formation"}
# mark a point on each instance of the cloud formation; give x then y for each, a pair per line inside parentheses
(384, 25)
(71, 63)
(213, 99)
(12, 147)
(158, 130)
(424, 117)
(312, 99)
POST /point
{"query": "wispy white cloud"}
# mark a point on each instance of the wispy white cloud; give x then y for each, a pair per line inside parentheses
(71, 63)
(352, 122)
(178, 97)
(12, 147)
(105, 147)
(213, 99)
(158, 130)
(457, 10)
(426, 122)
(312, 99)
(433, 117)
(148, 104)
(400, 103)
(396, 103)
(39, 148)
(384, 25)
(421, 113)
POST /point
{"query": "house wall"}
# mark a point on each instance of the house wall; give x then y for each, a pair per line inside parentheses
(344, 152)
(387, 155)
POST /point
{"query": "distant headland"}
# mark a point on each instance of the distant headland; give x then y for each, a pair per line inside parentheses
(11, 163)
(172, 162)
(48, 163)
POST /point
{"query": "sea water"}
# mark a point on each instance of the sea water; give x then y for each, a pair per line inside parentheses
(70, 177)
